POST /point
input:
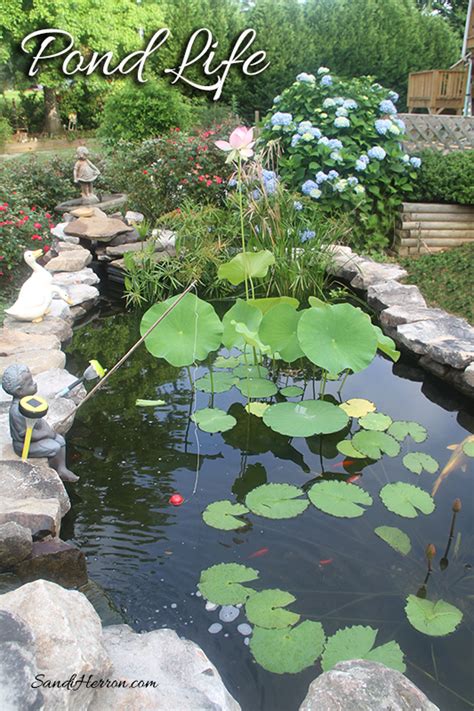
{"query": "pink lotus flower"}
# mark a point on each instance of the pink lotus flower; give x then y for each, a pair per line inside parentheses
(240, 144)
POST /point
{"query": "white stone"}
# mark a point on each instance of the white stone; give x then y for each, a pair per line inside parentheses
(390, 293)
(215, 628)
(36, 360)
(245, 629)
(134, 217)
(210, 606)
(468, 375)
(370, 272)
(40, 516)
(228, 613)
(33, 479)
(67, 637)
(83, 276)
(60, 309)
(58, 231)
(71, 260)
(79, 293)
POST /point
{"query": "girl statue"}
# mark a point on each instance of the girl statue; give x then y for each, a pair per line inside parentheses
(85, 173)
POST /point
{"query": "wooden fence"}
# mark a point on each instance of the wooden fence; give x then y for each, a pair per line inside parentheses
(444, 133)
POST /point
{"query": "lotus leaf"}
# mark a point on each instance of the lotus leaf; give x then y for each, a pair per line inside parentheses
(468, 447)
(265, 609)
(375, 421)
(220, 383)
(291, 391)
(357, 642)
(357, 407)
(317, 303)
(401, 429)
(212, 419)
(433, 618)
(386, 344)
(395, 538)
(222, 514)
(417, 461)
(221, 584)
(240, 312)
(149, 403)
(337, 338)
(256, 408)
(406, 500)
(257, 387)
(288, 650)
(339, 498)
(306, 418)
(278, 331)
(251, 371)
(374, 444)
(276, 501)
(189, 332)
(223, 362)
(346, 448)
(265, 305)
(251, 338)
(248, 265)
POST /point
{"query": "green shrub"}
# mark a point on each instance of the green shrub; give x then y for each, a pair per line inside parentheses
(87, 101)
(446, 177)
(134, 113)
(338, 142)
(22, 226)
(5, 130)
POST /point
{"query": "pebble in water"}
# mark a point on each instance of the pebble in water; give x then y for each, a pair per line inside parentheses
(211, 606)
(247, 641)
(244, 629)
(173, 605)
(229, 613)
(215, 628)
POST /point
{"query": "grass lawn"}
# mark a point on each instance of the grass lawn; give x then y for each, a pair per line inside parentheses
(445, 279)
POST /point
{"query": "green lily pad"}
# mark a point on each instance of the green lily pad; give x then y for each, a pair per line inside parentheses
(256, 408)
(149, 403)
(222, 515)
(468, 446)
(375, 421)
(386, 344)
(395, 538)
(276, 501)
(417, 461)
(339, 498)
(266, 304)
(278, 331)
(251, 371)
(220, 383)
(221, 584)
(240, 312)
(436, 619)
(306, 418)
(337, 338)
(288, 650)
(374, 444)
(402, 429)
(357, 642)
(346, 448)
(189, 332)
(257, 387)
(223, 362)
(265, 609)
(249, 265)
(357, 407)
(291, 391)
(212, 419)
(406, 500)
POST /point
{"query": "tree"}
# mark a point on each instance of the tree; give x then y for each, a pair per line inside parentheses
(454, 11)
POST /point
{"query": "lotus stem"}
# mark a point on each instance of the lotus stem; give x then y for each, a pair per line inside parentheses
(191, 383)
(242, 231)
(343, 381)
(211, 378)
(456, 508)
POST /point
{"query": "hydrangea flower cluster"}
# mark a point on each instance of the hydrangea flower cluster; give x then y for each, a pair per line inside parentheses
(281, 119)
(376, 152)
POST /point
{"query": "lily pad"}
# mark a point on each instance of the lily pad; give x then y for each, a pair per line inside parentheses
(149, 403)
(337, 338)
(240, 312)
(221, 584)
(265, 609)
(251, 371)
(276, 501)
(397, 539)
(346, 448)
(278, 331)
(417, 461)
(226, 362)
(406, 500)
(375, 421)
(256, 408)
(288, 650)
(468, 446)
(339, 498)
(357, 642)
(306, 418)
(257, 387)
(357, 407)
(291, 391)
(266, 304)
(222, 515)
(189, 332)
(246, 265)
(374, 444)
(436, 619)
(212, 419)
(401, 429)
(220, 383)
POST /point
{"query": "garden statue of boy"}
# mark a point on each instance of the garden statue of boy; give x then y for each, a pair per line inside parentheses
(18, 382)
(85, 173)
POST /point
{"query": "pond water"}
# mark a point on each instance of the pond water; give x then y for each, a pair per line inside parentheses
(148, 555)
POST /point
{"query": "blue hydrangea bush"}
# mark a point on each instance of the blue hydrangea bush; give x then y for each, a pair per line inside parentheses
(340, 145)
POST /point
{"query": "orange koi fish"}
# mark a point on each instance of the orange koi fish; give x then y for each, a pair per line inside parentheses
(456, 461)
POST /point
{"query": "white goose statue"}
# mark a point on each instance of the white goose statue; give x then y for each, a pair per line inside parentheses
(36, 294)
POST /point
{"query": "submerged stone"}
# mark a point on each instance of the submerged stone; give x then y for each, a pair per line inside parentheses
(244, 629)
(228, 613)
(215, 628)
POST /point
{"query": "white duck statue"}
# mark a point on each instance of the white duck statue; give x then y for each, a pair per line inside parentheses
(36, 294)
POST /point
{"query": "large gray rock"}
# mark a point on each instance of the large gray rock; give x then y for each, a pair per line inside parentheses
(41, 516)
(52, 381)
(17, 666)
(56, 561)
(395, 315)
(120, 250)
(447, 340)
(72, 260)
(468, 376)
(360, 685)
(28, 480)
(67, 639)
(50, 325)
(373, 273)
(13, 342)
(60, 309)
(36, 360)
(15, 544)
(80, 293)
(84, 276)
(186, 679)
(96, 227)
(390, 293)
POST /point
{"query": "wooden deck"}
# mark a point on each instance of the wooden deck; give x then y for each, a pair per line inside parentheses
(437, 90)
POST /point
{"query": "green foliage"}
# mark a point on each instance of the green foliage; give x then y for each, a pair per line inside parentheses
(213, 420)
(401, 429)
(22, 227)
(445, 177)
(288, 650)
(436, 619)
(276, 501)
(251, 265)
(397, 539)
(223, 515)
(221, 584)
(305, 419)
(340, 499)
(257, 387)
(265, 609)
(215, 382)
(373, 444)
(291, 391)
(149, 403)
(375, 421)
(5, 130)
(358, 643)
(417, 461)
(279, 331)
(406, 500)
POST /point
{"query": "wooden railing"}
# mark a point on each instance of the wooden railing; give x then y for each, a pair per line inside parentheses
(437, 90)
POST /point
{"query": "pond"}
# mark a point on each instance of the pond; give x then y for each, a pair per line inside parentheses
(147, 555)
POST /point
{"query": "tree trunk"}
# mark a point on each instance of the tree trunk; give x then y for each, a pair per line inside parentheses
(52, 121)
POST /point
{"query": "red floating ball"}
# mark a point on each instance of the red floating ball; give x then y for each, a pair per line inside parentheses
(176, 499)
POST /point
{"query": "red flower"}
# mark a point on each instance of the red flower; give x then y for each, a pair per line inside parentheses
(36, 236)
(33, 207)
(3, 207)
(46, 248)
(145, 172)
(218, 179)
(201, 178)
(47, 215)
(21, 212)
(208, 183)
(37, 225)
